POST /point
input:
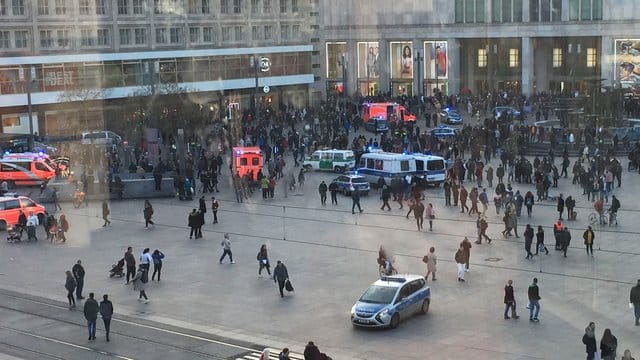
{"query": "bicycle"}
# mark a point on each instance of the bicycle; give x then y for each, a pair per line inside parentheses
(597, 218)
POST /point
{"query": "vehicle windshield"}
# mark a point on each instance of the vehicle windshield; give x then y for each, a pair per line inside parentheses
(359, 180)
(377, 294)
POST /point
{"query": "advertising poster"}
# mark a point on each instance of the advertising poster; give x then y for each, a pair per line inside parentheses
(335, 52)
(368, 60)
(627, 62)
(401, 60)
(435, 59)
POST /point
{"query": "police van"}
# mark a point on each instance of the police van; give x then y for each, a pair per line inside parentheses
(330, 160)
(431, 168)
(387, 165)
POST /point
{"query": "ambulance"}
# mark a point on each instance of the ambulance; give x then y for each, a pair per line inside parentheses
(25, 171)
(247, 160)
(392, 112)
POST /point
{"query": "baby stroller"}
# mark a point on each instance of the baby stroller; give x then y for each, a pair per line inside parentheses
(14, 234)
(117, 269)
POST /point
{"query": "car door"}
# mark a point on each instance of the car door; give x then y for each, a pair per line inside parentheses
(415, 299)
(402, 304)
(326, 161)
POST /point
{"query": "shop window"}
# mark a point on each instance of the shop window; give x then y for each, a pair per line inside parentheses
(557, 58)
(592, 57)
(482, 58)
(514, 58)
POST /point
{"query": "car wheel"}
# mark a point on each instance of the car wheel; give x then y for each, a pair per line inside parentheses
(395, 320)
(307, 167)
(425, 306)
(338, 169)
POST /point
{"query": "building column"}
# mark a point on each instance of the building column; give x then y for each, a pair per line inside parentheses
(351, 58)
(526, 15)
(383, 65)
(607, 54)
(418, 66)
(527, 65)
(453, 66)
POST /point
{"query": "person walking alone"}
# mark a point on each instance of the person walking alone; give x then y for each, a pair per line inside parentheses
(466, 247)
(589, 237)
(322, 189)
(528, 241)
(634, 301)
(533, 294)
(280, 275)
(565, 240)
(509, 301)
(147, 212)
(482, 232)
(418, 212)
(263, 260)
(140, 283)
(430, 212)
(460, 260)
(333, 189)
(157, 257)
(63, 227)
(226, 249)
(130, 260)
(105, 213)
(192, 221)
(91, 310)
(431, 261)
(355, 201)
(589, 340)
(106, 311)
(215, 205)
(70, 285)
(385, 196)
(540, 241)
(78, 274)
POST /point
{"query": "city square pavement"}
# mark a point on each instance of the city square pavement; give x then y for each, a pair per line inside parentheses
(331, 258)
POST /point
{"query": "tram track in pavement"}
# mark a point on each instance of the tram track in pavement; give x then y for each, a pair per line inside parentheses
(202, 339)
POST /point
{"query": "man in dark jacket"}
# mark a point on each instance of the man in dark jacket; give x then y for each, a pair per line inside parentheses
(355, 201)
(311, 352)
(509, 301)
(322, 189)
(386, 195)
(106, 311)
(565, 240)
(193, 223)
(78, 274)
(91, 310)
(634, 298)
(281, 275)
(333, 189)
(589, 340)
(130, 260)
(528, 241)
(534, 298)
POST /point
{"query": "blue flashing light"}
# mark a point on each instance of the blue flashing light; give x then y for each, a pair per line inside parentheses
(40, 153)
(369, 148)
(7, 152)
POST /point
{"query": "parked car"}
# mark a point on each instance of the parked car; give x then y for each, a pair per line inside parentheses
(512, 112)
(443, 131)
(391, 299)
(331, 160)
(377, 125)
(347, 183)
(101, 137)
(22, 146)
(453, 117)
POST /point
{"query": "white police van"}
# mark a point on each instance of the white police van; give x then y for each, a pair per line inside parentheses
(331, 160)
(431, 168)
(374, 165)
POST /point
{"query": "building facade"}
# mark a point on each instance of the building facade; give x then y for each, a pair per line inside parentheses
(413, 47)
(96, 55)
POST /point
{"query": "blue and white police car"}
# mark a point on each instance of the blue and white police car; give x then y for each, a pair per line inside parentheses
(391, 299)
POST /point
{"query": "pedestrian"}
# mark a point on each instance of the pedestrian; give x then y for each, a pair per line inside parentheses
(63, 227)
(634, 301)
(130, 260)
(215, 205)
(105, 213)
(333, 189)
(540, 241)
(588, 237)
(565, 240)
(463, 199)
(54, 197)
(70, 285)
(627, 353)
(32, 223)
(311, 352)
(560, 206)
(589, 340)
(355, 201)
(500, 173)
(264, 185)
(460, 260)
(483, 225)
(608, 345)
(570, 204)
(431, 260)
(534, 300)
(301, 179)
(528, 241)
(51, 228)
(280, 275)
(489, 172)
(147, 213)
(431, 214)
(385, 196)
(557, 231)
(78, 273)
(418, 213)
(193, 223)
(447, 193)
(226, 247)
(157, 257)
(284, 354)
(322, 189)
(509, 301)
(466, 247)
(106, 311)
(263, 260)
(91, 310)
(199, 223)
(139, 283)
(484, 200)
(145, 259)
(528, 202)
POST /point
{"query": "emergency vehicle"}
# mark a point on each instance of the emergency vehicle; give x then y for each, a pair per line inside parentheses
(247, 159)
(392, 112)
(332, 160)
(25, 171)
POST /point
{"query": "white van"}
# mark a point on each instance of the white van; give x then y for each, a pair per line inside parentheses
(331, 160)
(431, 168)
(388, 165)
(101, 137)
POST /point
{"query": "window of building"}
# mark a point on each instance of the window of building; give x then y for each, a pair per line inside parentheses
(208, 35)
(504, 11)
(194, 34)
(123, 7)
(585, 10)
(140, 36)
(43, 7)
(3, 7)
(592, 57)
(295, 31)
(205, 6)
(161, 36)
(103, 37)
(101, 7)
(138, 7)
(268, 32)
(482, 58)
(125, 36)
(21, 38)
(63, 37)
(545, 10)
(46, 39)
(238, 31)
(164, 6)
(468, 11)
(255, 6)
(5, 41)
(225, 6)
(283, 6)
(557, 58)
(17, 7)
(175, 35)
(294, 6)
(514, 58)
(61, 7)
(83, 6)
(266, 6)
(285, 31)
(237, 6)
(256, 33)
(226, 33)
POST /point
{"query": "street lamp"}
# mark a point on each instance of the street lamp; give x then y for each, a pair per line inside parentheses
(418, 59)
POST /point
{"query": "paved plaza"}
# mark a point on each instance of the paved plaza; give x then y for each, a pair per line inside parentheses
(331, 258)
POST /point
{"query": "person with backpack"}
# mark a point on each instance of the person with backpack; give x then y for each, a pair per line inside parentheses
(263, 260)
(139, 283)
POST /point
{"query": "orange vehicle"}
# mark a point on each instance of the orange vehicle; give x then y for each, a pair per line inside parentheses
(11, 206)
(392, 112)
(25, 171)
(247, 160)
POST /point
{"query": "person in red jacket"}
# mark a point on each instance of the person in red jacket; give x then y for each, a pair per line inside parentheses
(509, 301)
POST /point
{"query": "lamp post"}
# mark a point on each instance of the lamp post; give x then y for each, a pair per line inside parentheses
(418, 59)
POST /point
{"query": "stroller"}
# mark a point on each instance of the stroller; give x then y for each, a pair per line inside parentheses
(117, 269)
(14, 234)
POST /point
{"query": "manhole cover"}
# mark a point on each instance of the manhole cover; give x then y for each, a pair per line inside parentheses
(493, 259)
